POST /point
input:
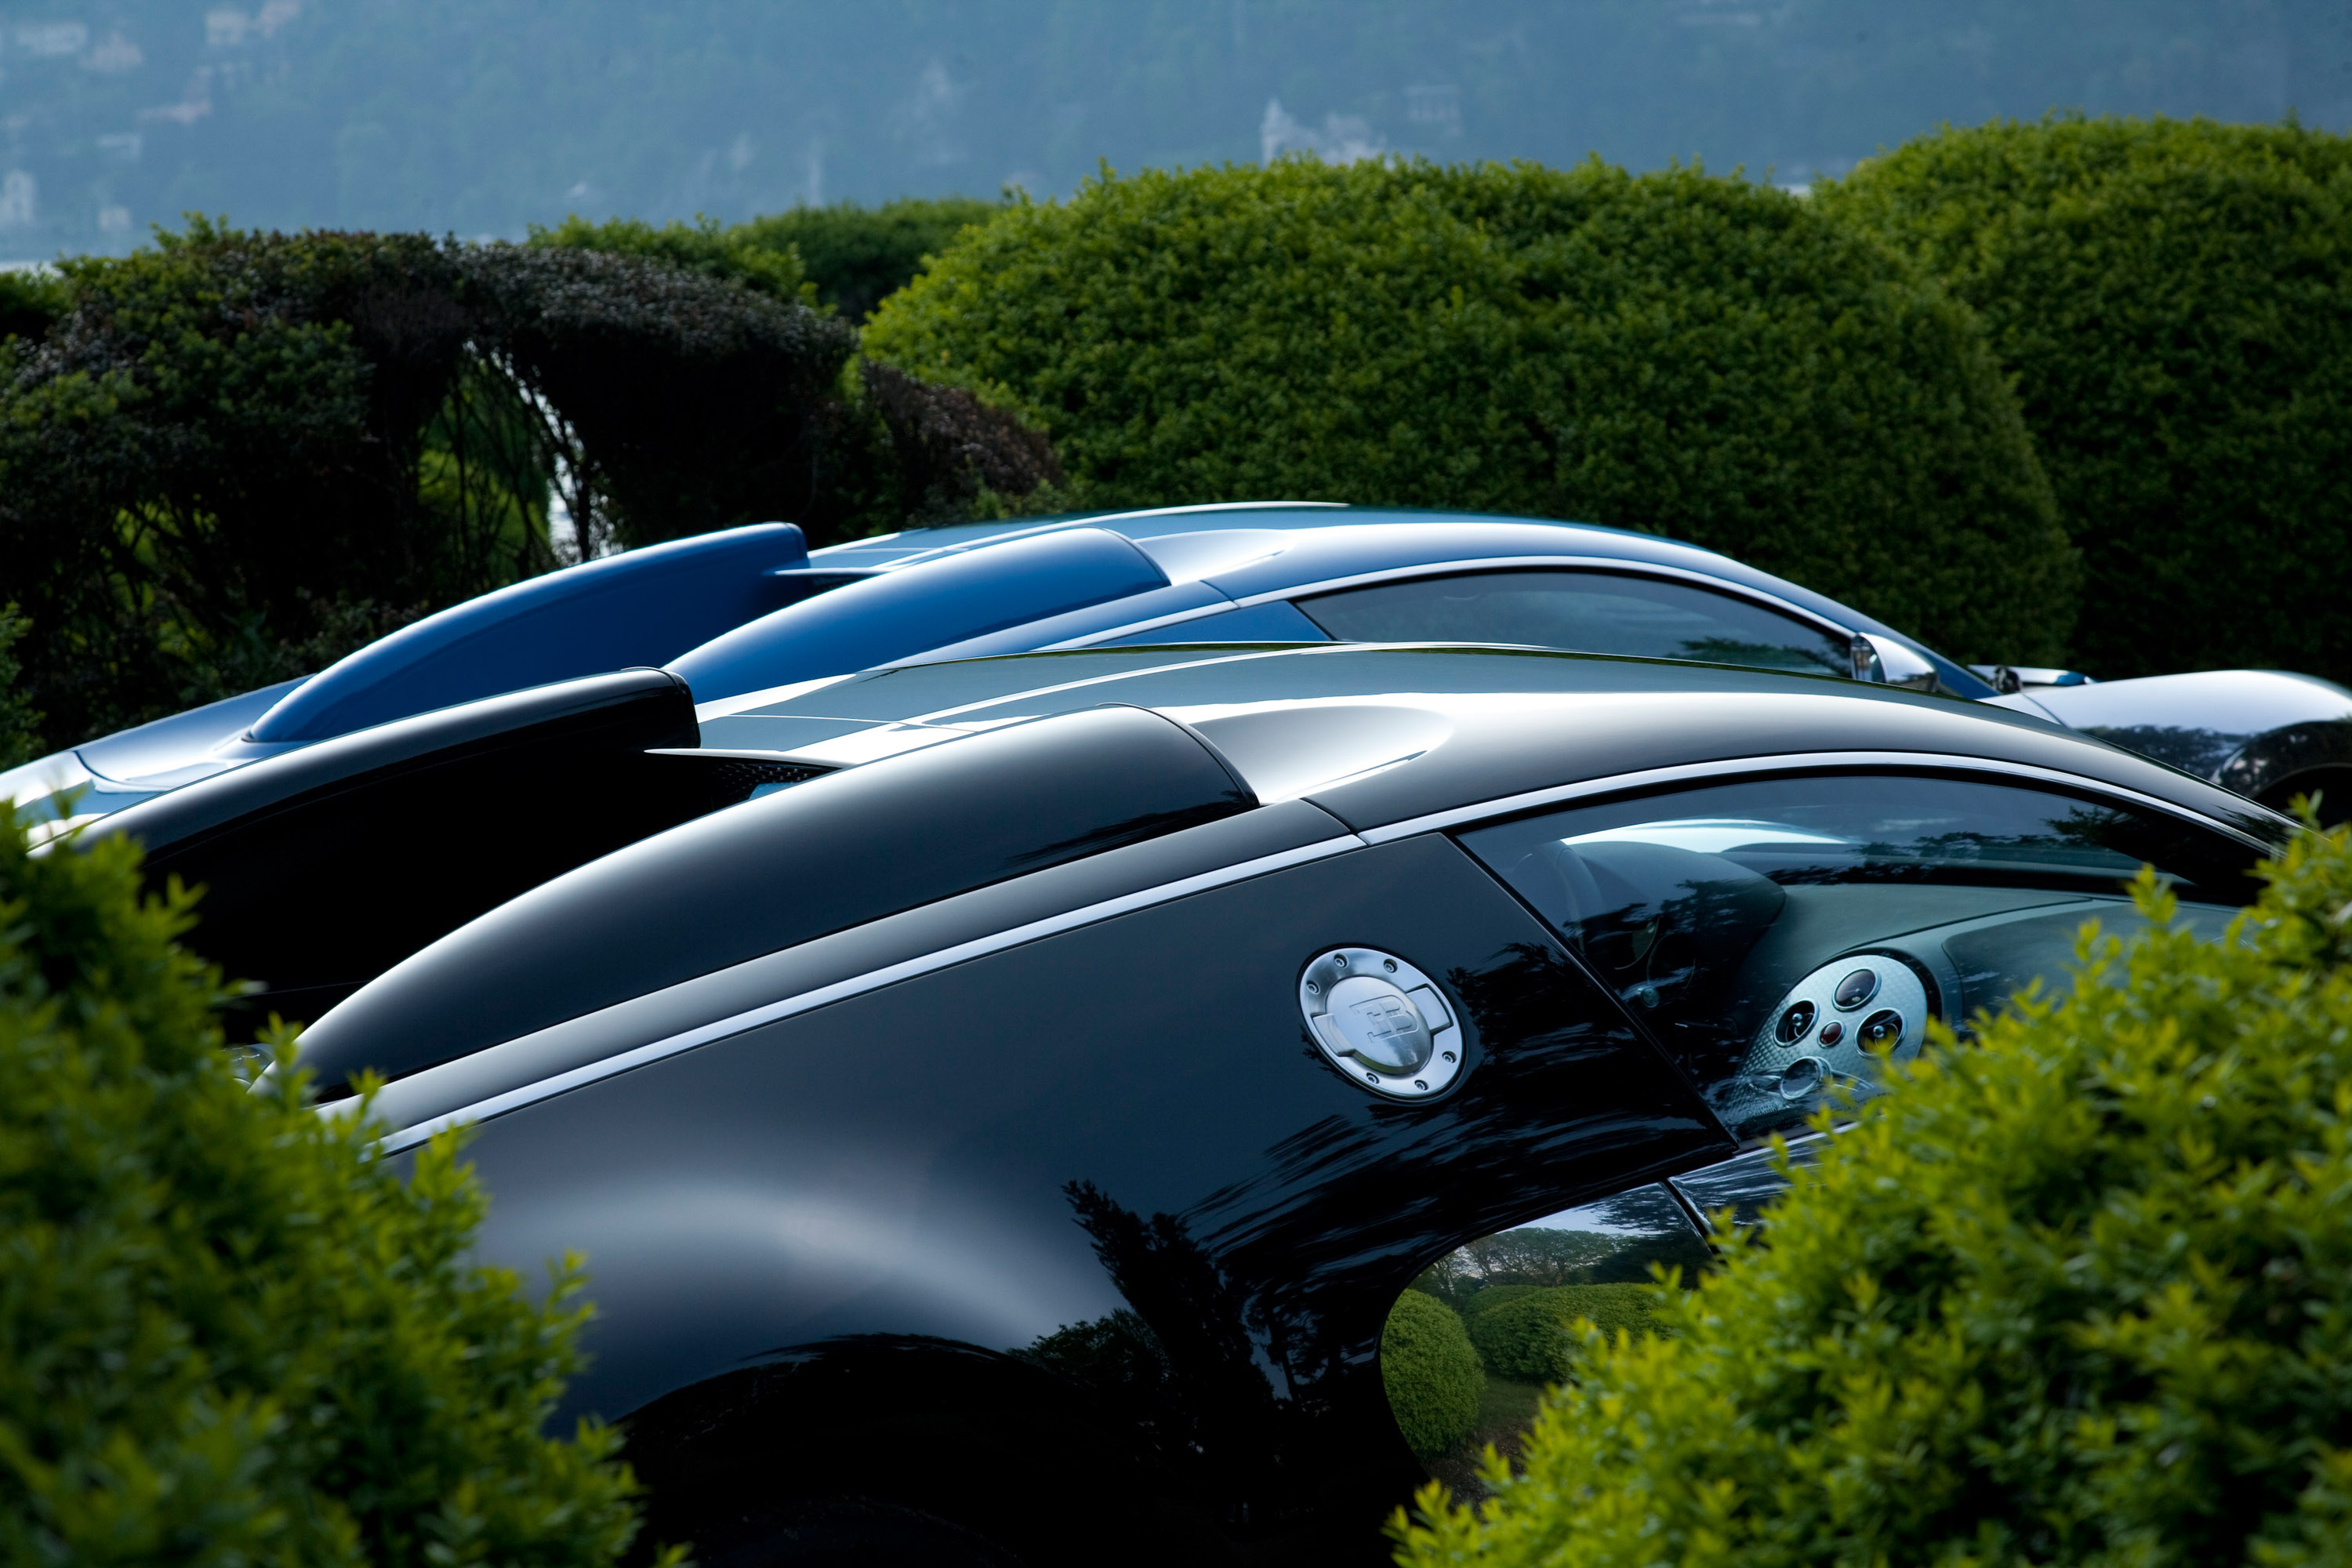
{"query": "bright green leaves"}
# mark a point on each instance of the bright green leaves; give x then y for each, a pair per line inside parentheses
(2077, 1291)
(229, 1333)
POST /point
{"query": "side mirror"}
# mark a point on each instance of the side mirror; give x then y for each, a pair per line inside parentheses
(1889, 663)
(2011, 679)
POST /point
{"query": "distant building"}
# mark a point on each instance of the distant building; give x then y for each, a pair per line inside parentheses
(1341, 138)
(1436, 106)
(18, 190)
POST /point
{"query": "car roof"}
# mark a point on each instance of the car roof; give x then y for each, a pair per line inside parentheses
(1383, 735)
(1259, 548)
(1442, 534)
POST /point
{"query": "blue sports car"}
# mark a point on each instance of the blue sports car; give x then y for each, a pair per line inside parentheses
(748, 615)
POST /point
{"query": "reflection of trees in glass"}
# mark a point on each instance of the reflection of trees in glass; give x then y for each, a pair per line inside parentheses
(1530, 1256)
(1756, 655)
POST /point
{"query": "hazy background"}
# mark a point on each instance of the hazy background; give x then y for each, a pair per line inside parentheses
(478, 117)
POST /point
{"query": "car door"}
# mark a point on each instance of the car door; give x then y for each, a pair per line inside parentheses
(1122, 1159)
(1782, 939)
(1584, 610)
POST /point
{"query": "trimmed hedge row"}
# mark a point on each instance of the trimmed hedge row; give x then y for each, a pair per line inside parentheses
(1699, 357)
(2174, 299)
(1531, 1338)
(2080, 1292)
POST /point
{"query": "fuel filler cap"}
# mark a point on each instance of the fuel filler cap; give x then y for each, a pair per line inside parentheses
(1381, 1022)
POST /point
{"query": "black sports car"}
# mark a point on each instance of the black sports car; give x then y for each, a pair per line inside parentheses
(1001, 1102)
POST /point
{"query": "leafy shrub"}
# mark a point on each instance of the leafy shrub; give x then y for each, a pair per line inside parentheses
(1431, 1372)
(1495, 1296)
(20, 726)
(1531, 1337)
(30, 303)
(844, 256)
(855, 256)
(218, 450)
(952, 453)
(1699, 357)
(2080, 1293)
(236, 458)
(693, 401)
(700, 247)
(2174, 301)
(229, 1332)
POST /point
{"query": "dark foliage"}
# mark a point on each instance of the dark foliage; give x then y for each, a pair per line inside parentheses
(702, 246)
(20, 724)
(215, 446)
(235, 457)
(30, 303)
(845, 257)
(1698, 357)
(683, 401)
(2174, 301)
(951, 449)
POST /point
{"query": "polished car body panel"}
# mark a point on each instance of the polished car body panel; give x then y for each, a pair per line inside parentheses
(2259, 728)
(826, 969)
(826, 856)
(923, 605)
(1428, 729)
(644, 608)
(747, 611)
(324, 865)
(931, 1065)
(949, 1158)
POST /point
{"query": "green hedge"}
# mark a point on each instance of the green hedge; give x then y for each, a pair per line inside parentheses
(2079, 1293)
(858, 255)
(229, 1332)
(1432, 1374)
(2174, 301)
(1494, 1295)
(1531, 1337)
(1704, 358)
(234, 457)
(844, 256)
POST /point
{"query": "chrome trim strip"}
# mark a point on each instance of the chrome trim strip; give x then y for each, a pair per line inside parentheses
(1782, 762)
(410, 1137)
(1618, 564)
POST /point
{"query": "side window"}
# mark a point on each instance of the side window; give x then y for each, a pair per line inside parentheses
(1775, 935)
(1469, 1350)
(1582, 612)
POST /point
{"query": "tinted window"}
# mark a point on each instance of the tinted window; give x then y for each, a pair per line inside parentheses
(1775, 935)
(1582, 612)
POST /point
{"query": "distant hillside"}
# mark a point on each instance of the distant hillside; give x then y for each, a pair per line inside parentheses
(481, 116)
